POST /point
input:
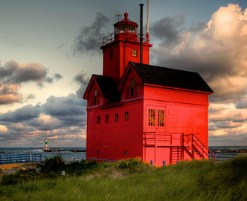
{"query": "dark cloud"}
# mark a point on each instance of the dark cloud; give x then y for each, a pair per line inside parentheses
(168, 30)
(25, 113)
(57, 76)
(83, 80)
(89, 38)
(242, 103)
(69, 110)
(9, 94)
(13, 75)
(228, 140)
(60, 118)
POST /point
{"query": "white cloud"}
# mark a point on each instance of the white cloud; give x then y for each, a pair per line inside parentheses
(3, 129)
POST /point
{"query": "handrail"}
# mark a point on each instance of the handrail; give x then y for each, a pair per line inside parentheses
(177, 139)
(20, 158)
(111, 37)
(202, 147)
(161, 138)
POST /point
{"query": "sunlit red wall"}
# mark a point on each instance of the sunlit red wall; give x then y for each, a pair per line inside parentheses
(185, 112)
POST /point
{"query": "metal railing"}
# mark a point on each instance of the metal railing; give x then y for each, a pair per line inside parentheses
(189, 142)
(20, 158)
(196, 143)
(128, 36)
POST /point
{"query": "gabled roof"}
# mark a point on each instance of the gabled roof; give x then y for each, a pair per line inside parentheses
(106, 84)
(107, 87)
(126, 21)
(168, 77)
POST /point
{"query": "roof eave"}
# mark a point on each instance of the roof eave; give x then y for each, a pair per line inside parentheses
(176, 88)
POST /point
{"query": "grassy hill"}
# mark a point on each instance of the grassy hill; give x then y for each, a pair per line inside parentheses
(132, 180)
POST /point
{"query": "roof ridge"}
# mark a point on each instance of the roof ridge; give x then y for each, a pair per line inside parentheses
(155, 66)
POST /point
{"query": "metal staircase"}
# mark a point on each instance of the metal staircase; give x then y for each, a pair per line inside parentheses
(175, 154)
(180, 145)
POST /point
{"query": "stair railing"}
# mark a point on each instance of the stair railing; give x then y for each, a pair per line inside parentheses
(202, 148)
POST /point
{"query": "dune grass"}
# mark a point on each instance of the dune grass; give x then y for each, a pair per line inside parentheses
(131, 180)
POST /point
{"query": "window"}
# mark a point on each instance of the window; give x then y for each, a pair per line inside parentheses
(107, 118)
(132, 87)
(126, 116)
(116, 117)
(151, 117)
(98, 119)
(95, 97)
(161, 118)
(134, 53)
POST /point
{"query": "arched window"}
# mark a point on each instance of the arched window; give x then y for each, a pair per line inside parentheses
(132, 87)
(95, 97)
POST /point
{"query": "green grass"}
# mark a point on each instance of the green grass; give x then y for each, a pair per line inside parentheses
(131, 180)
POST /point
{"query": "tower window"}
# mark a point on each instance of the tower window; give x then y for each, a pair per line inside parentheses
(95, 97)
(161, 118)
(107, 118)
(116, 117)
(98, 119)
(126, 116)
(134, 53)
(132, 87)
(151, 117)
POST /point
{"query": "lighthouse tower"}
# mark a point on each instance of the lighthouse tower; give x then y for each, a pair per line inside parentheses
(46, 147)
(123, 46)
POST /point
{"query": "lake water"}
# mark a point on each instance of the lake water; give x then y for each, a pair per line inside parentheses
(70, 156)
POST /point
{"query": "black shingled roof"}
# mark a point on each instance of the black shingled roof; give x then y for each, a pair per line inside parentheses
(163, 76)
(107, 86)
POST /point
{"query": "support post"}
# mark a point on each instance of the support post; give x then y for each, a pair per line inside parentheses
(141, 32)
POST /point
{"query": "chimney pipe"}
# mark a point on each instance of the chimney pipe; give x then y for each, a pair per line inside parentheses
(141, 31)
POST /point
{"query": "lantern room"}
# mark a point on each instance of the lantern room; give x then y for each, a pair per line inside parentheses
(125, 29)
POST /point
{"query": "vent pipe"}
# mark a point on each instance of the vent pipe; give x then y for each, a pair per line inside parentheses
(141, 32)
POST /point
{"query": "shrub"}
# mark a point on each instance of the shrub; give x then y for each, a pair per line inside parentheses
(132, 165)
(10, 179)
(79, 168)
(55, 164)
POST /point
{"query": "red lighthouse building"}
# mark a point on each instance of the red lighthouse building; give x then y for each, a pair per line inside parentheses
(139, 110)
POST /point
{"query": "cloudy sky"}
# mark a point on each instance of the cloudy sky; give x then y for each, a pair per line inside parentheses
(50, 48)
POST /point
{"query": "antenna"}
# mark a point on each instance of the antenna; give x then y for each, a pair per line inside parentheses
(147, 24)
(117, 16)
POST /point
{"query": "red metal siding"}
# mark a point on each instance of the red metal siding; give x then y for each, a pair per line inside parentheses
(115, 139)
(185, 113)
(115, 65)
